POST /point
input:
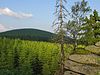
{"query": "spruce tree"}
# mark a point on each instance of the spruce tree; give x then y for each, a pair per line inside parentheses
(36, 66)
(91, 29)
(16, 59)
(78, 12)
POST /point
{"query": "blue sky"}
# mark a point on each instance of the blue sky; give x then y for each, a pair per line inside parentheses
(36, 14)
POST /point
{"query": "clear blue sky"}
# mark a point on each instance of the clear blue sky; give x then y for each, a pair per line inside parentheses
(16, 14)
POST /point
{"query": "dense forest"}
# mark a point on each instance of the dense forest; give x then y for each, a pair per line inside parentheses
(21, 57)
(28, 34)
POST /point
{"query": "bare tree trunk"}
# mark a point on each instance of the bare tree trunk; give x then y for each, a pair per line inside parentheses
(60, 11)
(62, 40)
(75, 43)
(62, 59)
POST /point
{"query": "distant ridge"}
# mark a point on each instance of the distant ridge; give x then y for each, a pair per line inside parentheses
(28, 34)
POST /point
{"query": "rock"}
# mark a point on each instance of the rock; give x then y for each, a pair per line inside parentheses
(90, 59)
(70, 73)
(84, 64)
(98, 44)
(93, 49)
(81, 68)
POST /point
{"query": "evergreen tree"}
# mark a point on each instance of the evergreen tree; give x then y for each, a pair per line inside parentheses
(91, 29)
(78, 12)
(16, 59)
(36, 66)
(96, 25)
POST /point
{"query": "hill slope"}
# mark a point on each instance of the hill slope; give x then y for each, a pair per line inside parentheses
(28, 34)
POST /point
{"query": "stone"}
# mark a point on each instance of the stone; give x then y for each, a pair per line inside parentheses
(90, 59)
(70, 73)
(81, 68)
(93, 49)
(84, 64)
(98, 44)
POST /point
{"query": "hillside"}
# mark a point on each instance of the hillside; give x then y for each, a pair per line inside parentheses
(28, 34)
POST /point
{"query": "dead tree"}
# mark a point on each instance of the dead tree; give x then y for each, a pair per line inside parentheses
(59, 22)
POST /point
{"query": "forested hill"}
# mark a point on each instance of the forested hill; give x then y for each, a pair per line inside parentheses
(28, 34)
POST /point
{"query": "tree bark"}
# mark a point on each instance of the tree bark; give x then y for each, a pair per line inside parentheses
(62, 59)
(62, 40)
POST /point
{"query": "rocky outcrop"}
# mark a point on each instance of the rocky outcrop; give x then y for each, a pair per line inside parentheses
(84, 64)
(87, 64)
(90, 59)
(98, 44)
(94, 49)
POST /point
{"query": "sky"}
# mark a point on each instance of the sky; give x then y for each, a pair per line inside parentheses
(37, 14)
